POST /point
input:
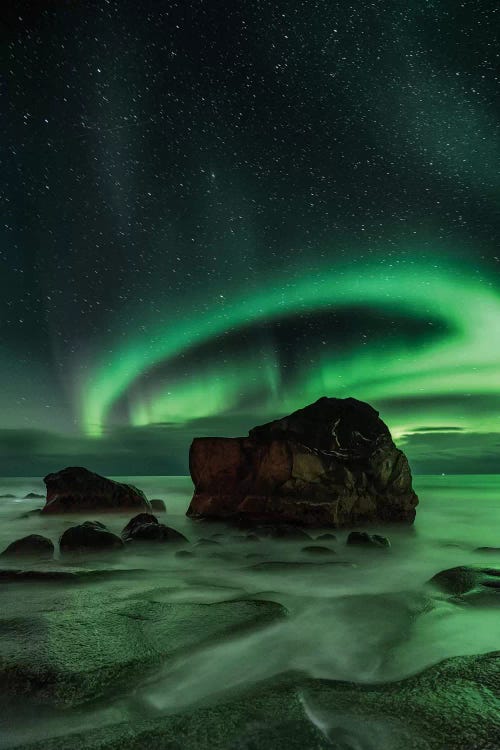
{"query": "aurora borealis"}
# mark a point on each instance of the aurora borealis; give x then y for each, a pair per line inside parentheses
(216, 214)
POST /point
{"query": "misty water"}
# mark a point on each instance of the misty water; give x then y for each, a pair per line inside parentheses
(355, 615)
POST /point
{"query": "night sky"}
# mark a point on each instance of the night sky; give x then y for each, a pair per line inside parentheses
(214, 213)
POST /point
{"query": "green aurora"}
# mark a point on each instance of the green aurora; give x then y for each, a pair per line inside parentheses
(465, 361)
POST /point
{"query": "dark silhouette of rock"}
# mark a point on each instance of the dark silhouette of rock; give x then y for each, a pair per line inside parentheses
(33, 496)
(158, 506)
(33, 545)
(363, 539)
(326, 537)
(7, 495)
(90, 536)
(145, 527)
(75, 490)
(332, 463)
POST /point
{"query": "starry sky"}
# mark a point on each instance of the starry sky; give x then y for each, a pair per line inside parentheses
(214, 213)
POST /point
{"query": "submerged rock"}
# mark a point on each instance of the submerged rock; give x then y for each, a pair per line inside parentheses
(454, 705)
(33, 496)
(33, 545)
(75, 490)
(332, 463)
(472, 584)
(66, 646)
(145, 527)
(90, 536)
(363, 539)
(158, 506)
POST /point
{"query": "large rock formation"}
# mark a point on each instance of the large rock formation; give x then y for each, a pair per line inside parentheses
(76, 490)
(332, 463)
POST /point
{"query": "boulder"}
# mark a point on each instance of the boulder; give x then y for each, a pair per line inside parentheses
(330, 464)
(75, 490)
(146, 528)
(90, 536)
(33, 496)
(31, 546)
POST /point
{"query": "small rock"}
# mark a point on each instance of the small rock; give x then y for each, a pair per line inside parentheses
(146, 528)
(33, 545)
(33, 496)
(90, 536)
(363, 539)
(7, 495)
(317, 550)
(139, 520)
(158, 506)
(326, 537)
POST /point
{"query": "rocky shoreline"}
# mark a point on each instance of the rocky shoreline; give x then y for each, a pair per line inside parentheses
(240, 630)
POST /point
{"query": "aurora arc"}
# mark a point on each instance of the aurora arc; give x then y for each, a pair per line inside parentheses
(466, 360)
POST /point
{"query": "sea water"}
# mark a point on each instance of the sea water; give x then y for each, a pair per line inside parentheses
(362, 619)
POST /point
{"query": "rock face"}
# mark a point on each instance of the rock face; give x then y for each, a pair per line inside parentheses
(33, 545)
(76, 490)
(332, 463)
(91, 536)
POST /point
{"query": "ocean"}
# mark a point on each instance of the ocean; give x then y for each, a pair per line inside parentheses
(358, 616)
